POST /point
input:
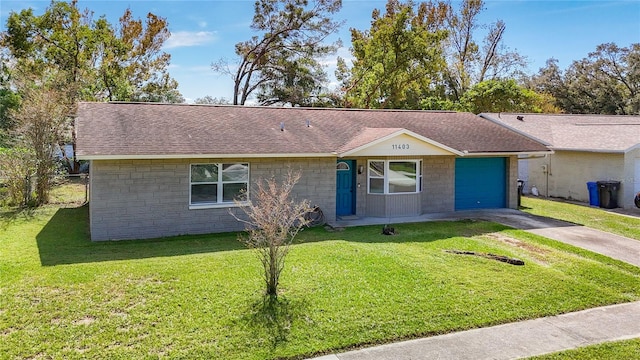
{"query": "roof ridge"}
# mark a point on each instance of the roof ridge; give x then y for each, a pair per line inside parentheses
(277, 107)
(563, 115)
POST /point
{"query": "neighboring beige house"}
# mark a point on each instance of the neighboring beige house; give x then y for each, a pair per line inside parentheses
(586, 148)
(162, 170)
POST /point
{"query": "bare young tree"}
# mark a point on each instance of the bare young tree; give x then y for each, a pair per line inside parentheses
(274, 218)
(40, 122)
(17, 166)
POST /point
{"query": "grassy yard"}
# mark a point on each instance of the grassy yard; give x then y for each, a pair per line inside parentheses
(628, 350)
(584, 215)
(62, 296)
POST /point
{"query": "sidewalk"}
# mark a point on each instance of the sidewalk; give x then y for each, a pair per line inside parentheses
(515, 340)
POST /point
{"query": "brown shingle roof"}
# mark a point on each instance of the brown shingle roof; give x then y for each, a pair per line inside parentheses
(606, 133)
(366, 136)
(156, 130)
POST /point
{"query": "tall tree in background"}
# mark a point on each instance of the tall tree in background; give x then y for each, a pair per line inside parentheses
(504, 96)
(425, 56)
(96, 60)
(295, 79)
(398, 61)
(469, 62)
(605, 82)
(211, 100)
(9, 100)
(138, 70)
(64, 56)
(282, 63)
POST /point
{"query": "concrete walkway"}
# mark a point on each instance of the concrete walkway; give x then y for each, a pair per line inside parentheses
(527, 338)
(515, 340)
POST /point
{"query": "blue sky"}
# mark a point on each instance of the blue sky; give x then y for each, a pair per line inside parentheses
(206, 30)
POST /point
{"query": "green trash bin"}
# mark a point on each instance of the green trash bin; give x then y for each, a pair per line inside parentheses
(608, 191)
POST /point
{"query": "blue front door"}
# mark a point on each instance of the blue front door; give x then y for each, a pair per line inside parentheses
(345, 195)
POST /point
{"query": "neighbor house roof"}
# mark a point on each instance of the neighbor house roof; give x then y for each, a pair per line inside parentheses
(599, 133)
(153, 130)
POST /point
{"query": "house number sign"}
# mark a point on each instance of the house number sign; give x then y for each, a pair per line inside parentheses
(400, 146)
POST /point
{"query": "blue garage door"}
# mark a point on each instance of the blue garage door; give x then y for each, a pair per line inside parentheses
(481, 183)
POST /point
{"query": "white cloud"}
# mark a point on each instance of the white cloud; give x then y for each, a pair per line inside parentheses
(189, 38)
(332, 61)
(205, 69)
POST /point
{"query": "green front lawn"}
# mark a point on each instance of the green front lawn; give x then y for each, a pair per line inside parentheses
(583, 215)
(62, 296)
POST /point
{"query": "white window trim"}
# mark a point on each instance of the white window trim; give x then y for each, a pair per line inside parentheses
(219, 205)
(386, 176)
(220, 183)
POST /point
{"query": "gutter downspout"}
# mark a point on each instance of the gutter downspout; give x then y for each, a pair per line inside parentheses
(547, 173)
(548, 170)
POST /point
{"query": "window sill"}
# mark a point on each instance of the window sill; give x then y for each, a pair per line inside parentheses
(217, 206)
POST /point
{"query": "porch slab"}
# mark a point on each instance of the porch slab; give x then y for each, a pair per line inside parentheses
(445, 216)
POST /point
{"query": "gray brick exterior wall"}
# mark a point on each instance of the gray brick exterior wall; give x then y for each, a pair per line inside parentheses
(438, 184)
(137, 199)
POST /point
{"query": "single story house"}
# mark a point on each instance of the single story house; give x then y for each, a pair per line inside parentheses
(166, 169)
(587, 148)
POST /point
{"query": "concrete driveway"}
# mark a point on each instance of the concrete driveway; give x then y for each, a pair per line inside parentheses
(614, 246)
(611, 245)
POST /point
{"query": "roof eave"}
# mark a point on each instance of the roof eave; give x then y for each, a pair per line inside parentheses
(200, 156)
(507, 153)
(610, 151)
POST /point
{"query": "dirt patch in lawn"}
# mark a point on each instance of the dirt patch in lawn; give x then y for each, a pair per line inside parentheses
(87, 320)
(538, 254)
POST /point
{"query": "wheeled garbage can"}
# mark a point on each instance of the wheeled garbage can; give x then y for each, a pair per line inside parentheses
(594, 197)
(608, 191)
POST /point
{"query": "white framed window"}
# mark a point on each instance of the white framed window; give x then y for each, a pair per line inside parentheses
(394, 176)
(217, 184)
